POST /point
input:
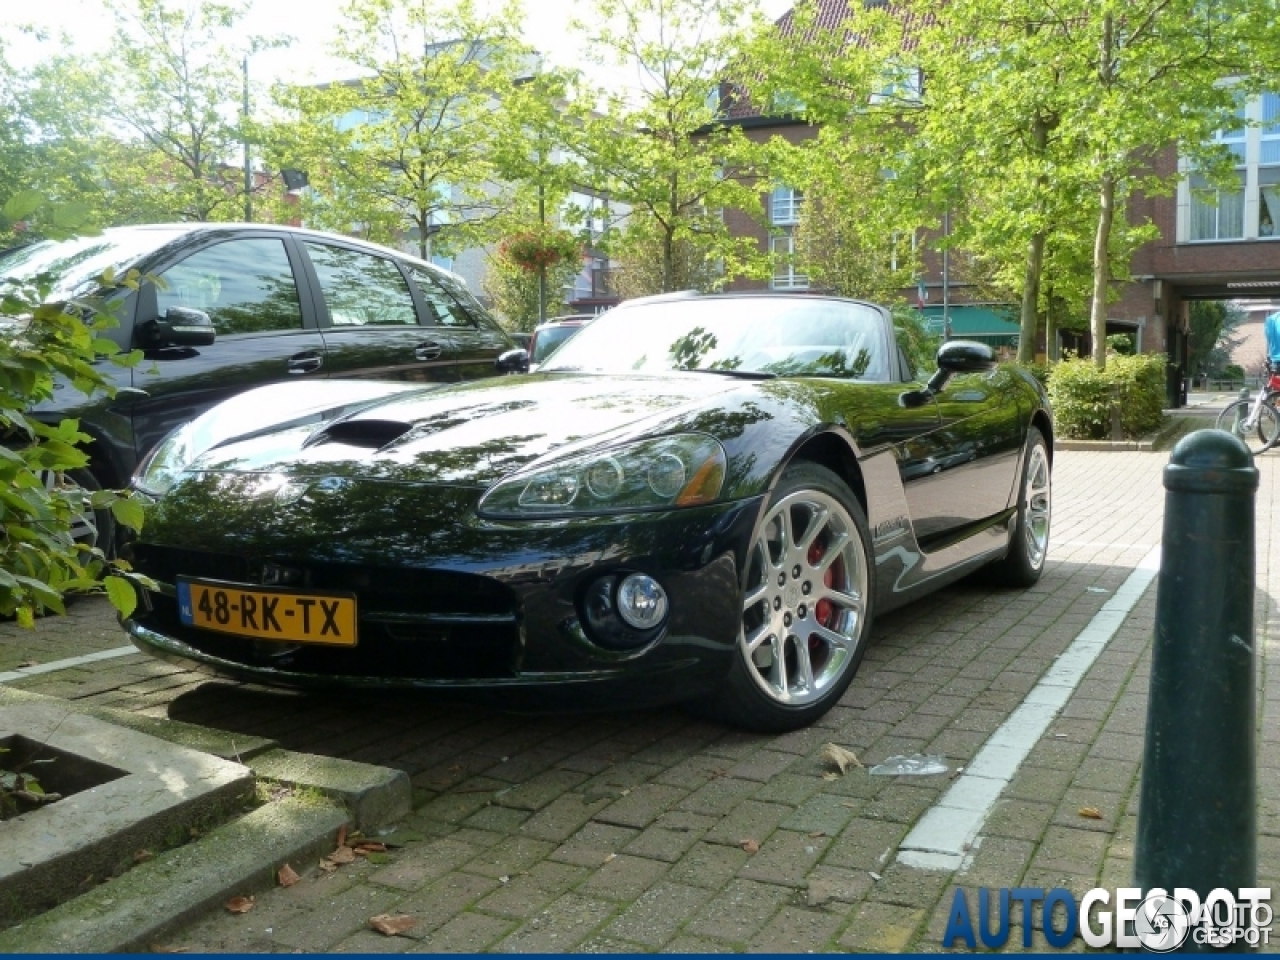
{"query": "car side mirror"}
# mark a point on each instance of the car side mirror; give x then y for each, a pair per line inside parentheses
(183, 327)
(513, 361)
(961, 356)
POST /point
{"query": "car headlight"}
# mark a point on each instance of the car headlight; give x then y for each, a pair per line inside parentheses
(678, 471)
(161, 467)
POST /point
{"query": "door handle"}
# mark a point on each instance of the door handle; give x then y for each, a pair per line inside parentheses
(428, 350)
(305, 362)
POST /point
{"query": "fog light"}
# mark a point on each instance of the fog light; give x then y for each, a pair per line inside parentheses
(642, 602)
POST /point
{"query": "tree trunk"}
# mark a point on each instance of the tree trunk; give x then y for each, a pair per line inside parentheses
(1050, 326)
(1106, 211)
(668, 261)
(1031, 298)
(1035, 256)
(1102, 270)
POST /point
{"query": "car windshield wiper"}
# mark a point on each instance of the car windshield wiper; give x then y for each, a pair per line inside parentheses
(739, 374)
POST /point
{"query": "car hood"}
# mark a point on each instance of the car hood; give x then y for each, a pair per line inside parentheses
(468, 434)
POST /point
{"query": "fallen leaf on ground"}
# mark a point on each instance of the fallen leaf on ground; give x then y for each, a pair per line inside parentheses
(342, 855)
(142, 856)
(831, 775)
(342, 836)
(843, 759)
(1091, 813)
(377, 858)
(161, 948)
(370, 846)
(875, 876)
(818, 833)
(27, 663)
(327, 866)
(287, 876)
(239, 904)
(850, 804)
(390, 924)
(751, 846)
(612, 856)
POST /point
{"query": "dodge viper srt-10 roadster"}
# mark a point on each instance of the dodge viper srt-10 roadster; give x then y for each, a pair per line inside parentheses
(697, 498)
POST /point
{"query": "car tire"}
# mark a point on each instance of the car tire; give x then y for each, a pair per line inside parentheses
(1029, 542)
(94, 528)
(808, 586)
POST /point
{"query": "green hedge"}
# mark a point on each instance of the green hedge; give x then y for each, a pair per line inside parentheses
(1081, 395)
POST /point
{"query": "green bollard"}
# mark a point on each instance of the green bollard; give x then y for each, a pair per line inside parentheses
(1196, 821)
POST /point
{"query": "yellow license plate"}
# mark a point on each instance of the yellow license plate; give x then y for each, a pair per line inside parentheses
(269, 614)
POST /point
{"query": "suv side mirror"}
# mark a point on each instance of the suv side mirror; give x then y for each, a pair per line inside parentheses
(513, 361)
(183, 327)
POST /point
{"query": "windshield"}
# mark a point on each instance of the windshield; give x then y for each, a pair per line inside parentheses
(550, 338)
(76, 265)
(782, 336)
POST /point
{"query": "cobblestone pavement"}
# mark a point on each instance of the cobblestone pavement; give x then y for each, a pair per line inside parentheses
(659, 831)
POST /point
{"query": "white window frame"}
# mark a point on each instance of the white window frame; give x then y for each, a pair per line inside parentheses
(1259, 135)
(785, 204)
(782, 247)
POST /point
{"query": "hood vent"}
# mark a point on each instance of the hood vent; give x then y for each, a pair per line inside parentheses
(370, 434)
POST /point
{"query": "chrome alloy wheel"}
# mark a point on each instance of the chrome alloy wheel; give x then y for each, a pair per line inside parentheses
(1036, 506)
(804, 605)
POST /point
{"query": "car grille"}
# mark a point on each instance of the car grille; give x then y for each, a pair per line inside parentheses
(413, 624)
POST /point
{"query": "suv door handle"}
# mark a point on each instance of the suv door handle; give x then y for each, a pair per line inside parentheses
(305, 362)
(428, 350)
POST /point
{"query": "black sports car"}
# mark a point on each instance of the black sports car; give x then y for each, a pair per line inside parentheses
(699, 497)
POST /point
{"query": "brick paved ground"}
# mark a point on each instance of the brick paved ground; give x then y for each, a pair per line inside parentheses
(639, 831)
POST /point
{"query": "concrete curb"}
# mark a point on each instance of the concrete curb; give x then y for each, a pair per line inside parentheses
(376, 797)
(1103, 444)
(130, 913)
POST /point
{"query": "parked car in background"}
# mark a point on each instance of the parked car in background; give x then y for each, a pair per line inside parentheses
(238, 306)
(548, 336)
(697, 498)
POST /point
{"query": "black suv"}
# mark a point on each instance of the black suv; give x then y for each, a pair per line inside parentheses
(240, 306)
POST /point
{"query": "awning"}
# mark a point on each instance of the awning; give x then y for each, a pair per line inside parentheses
(993, 320)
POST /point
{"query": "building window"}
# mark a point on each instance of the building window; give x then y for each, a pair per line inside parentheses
(784, 206)
(1270, 132)
(1217, 214)
(786, 275)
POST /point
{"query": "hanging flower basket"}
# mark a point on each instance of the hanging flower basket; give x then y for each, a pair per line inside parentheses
(536, 250)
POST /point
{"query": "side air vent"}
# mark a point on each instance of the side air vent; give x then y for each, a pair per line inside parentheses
(371, 434)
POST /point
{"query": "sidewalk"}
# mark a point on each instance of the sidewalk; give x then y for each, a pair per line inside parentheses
(655, 831)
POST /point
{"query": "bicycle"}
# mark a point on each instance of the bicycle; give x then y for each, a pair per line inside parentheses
(1256, 421)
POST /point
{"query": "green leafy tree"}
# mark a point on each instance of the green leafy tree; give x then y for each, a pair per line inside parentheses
(1145, 74)
(659, 151)
(411, 147)
(172, 81)
(858, 225)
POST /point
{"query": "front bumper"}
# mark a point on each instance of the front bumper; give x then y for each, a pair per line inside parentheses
(503, 614)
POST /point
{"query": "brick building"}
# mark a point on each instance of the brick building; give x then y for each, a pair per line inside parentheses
(1212, 244)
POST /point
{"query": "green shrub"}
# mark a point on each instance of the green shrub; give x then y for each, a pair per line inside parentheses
(1082, 394)
(43, 346)
(1121, 343)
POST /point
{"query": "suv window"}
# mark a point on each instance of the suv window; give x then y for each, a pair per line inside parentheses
(362, 289)
(447, 311)
(245, 286)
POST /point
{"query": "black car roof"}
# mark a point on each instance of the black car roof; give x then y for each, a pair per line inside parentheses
(189, 228)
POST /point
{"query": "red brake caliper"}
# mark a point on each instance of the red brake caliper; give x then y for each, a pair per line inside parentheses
(824, 611)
